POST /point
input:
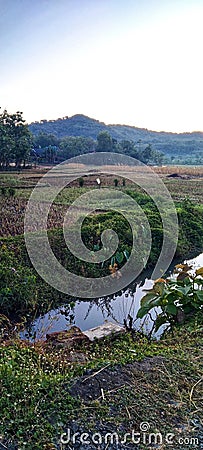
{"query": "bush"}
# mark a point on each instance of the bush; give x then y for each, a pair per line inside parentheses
(81, 182)
(4, 191)
(179, 297)
(18, 290)
(11, 191)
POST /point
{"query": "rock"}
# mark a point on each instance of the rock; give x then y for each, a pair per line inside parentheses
(74, 336)
(77, 357)
(67, 338)
(104, 330)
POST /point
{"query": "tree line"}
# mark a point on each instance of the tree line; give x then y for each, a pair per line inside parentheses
(15, 140)
(49, 148)
(19, 146)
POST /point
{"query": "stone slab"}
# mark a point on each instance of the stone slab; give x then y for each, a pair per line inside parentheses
(104, 330)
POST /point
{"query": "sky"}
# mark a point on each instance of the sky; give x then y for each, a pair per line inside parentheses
(134, 62)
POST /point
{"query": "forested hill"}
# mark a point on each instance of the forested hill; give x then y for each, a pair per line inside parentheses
(171, 144)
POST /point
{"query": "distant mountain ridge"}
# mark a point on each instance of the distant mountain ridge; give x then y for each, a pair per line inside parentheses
(80, 125)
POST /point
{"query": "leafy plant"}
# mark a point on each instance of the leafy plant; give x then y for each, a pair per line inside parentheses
(81, 182)
(178, 297)
(3, 191)
(11, 191)
(18, 289)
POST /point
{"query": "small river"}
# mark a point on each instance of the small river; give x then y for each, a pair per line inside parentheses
(92, 313)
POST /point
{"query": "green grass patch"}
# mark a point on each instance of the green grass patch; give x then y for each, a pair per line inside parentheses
(36, 405)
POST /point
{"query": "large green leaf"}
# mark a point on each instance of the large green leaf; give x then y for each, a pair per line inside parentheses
(199, 295)
(143, 311)
(171, 309)
(147, 300)
(113, 260)
(119, 257)
(185, 289)
(171, 297)
(159, 288)
(126, 254)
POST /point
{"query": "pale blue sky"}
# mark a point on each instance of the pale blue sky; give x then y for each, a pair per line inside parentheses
(126, 61)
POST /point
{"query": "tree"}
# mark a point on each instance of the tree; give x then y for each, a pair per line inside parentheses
(6, 141)
(146, 154)
(43, 140)
(22, 138)
(74, 146)
(129, 148)
(151, 156)
(158, 157)
(15, 139)
(104, 142)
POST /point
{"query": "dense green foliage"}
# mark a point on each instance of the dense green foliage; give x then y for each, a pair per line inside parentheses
(55, 141)
(18, 290)
(48, 148)
(15, 139)
(178, 148)
(36, 296)
(36, 402)
(74, 146)
(179, 297)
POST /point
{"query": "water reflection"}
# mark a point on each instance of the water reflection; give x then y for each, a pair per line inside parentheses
(196, 262)
(88, 314)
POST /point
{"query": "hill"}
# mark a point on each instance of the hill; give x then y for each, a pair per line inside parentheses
(171, 144)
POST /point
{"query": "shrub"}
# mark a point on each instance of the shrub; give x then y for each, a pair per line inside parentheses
(179, 298)
(81, 182)
(4, 191)
(18, 290)
(11, 191)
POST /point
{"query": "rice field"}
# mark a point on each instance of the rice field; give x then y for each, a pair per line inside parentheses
(187, 182)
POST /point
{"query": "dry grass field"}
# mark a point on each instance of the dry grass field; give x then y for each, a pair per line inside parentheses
(185, 182)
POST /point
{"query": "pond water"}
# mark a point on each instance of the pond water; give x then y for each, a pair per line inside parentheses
(91, 313)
